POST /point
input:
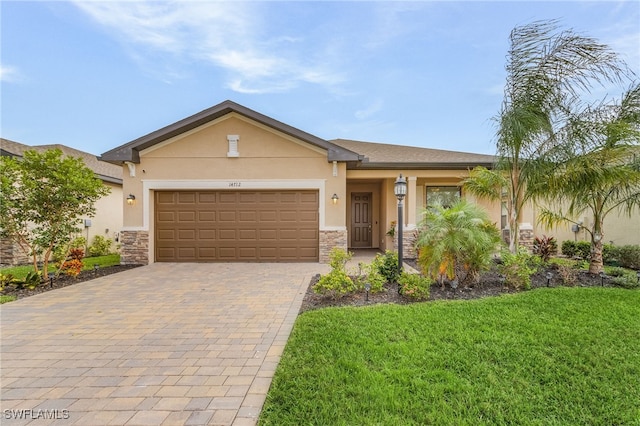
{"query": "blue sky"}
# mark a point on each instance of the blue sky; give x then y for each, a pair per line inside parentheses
(95, 75)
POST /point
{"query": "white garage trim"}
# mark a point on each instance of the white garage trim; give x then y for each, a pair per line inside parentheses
(230, 184)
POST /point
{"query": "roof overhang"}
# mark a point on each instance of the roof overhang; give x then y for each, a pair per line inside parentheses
(130, 152)
(416, 166)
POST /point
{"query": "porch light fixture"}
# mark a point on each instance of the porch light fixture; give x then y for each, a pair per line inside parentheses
(131, 199)
(334, 198)
(549, 276)
(400, 190)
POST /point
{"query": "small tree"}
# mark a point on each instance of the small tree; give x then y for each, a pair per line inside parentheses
(42, 198)
(456, 242)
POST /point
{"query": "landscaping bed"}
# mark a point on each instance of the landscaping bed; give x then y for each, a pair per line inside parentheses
(490, 284)
(65, 281)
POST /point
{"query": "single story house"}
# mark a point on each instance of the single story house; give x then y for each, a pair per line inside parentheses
(107, 221)
(231, 184)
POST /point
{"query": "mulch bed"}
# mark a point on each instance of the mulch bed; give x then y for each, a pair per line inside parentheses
(489, 285)
(65, 281)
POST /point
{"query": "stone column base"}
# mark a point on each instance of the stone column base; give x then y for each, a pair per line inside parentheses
(135, 248)
(408, 246)
(329, 240)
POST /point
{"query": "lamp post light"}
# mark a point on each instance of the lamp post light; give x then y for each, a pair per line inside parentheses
(549, 276)
(400, 190)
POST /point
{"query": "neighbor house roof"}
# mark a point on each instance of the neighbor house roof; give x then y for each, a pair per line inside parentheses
(105, 171)
(131, 151)
(387, 156)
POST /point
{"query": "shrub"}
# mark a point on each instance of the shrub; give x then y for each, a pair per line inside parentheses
(336, 282)
(568, 274)
(100, 246)
(628, 279)
(568, 248)
(387, 265)
(545, 247)
(62, 252)
(581, 249)
(370, 274)
(517, 268)
(73, 266)
(629, 256)
(414, 286)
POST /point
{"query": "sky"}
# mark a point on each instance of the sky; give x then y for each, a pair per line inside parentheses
(95, 75)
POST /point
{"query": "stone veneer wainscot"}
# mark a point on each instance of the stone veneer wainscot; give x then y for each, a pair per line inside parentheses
(135, 248)
(329, 240)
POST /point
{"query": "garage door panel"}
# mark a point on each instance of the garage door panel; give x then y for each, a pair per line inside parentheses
(194, 226)
(186, 197)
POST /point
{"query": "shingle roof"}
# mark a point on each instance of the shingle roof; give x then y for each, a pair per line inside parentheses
(381, 155)
(106, 171)
(131, 151)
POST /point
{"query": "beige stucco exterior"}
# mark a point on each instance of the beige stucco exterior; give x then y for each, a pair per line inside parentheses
(267, 159)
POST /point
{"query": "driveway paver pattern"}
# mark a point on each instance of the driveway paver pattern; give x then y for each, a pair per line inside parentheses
(164, 344)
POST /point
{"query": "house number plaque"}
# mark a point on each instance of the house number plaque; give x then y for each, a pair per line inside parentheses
(234, 184)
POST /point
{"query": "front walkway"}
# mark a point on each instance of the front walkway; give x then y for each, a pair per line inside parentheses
(165, 344)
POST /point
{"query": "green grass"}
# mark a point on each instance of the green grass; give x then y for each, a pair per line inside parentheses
(21, 271)
(6, 299)
(546, 357)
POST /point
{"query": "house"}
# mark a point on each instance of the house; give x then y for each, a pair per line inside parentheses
(231, 184)
(107, 221)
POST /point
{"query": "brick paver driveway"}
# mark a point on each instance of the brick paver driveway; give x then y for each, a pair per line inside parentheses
(157, 345)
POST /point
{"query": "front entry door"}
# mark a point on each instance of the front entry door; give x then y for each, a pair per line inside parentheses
(360, 220)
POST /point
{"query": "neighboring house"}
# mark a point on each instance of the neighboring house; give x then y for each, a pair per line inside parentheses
(107, 221)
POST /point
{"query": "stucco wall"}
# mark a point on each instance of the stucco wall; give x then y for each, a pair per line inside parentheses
(267, 159)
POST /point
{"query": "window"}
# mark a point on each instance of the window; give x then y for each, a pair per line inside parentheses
(445, 196)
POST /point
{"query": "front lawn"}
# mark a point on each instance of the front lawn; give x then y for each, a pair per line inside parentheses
(549, 356)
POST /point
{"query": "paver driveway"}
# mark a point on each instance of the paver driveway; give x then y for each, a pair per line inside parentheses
(157, 345)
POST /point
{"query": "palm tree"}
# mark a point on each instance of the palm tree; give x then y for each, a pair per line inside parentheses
(546, 70)
(455, 241)
(600, 173)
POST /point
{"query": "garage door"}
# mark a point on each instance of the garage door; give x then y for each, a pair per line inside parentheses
(208, 226)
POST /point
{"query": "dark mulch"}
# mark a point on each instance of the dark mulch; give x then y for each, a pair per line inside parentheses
(65, 281)
(490, 284)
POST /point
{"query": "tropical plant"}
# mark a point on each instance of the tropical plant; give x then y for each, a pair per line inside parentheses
(456, 243)
(546, 70)
(545, 247)
(42, 197)
(100, 246)
(599, 171)
(387, 264)
(370, 274)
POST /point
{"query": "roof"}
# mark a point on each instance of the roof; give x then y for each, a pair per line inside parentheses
(387, 156)
(130, 152)
(105, 171)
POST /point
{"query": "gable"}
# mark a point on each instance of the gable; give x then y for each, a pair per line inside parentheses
(254, 141)
(130, 152)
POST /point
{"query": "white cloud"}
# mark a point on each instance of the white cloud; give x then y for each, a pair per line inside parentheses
(228, 35)
(9, 74)
(369, 110)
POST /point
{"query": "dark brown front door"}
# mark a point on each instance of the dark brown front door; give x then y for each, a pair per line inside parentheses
(361, 220)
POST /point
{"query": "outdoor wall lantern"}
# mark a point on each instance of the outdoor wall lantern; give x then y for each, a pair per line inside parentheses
(549, 276)
(334, 198)
(400, 190)
(131, 199)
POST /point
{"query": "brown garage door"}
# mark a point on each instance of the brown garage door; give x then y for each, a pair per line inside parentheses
(207, 226)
